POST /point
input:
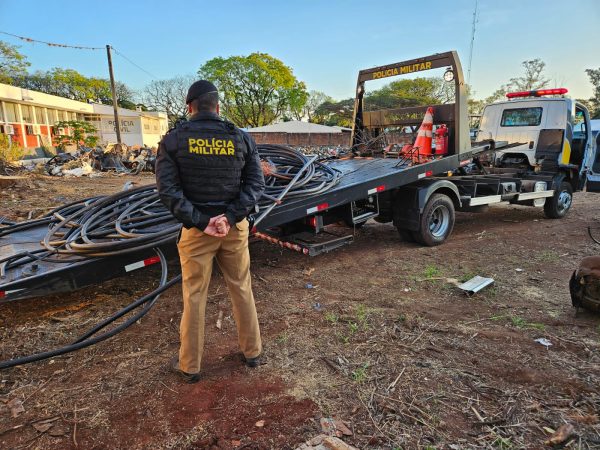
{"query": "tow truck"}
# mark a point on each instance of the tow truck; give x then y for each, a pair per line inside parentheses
(420, 197)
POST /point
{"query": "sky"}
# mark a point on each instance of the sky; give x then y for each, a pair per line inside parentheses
(325, 42)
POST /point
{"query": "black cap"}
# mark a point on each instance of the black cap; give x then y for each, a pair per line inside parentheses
(199, 88)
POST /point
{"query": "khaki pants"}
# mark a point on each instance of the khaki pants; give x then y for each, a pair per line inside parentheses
(196, 253)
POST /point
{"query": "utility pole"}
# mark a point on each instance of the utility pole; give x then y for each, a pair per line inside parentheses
(114, 96)
(472, 42)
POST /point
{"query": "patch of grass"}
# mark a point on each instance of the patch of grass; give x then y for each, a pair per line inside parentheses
(431, 272)
(466, 276)
(282, 338)
(502, 443)
(360, 374)
(331, 317)
(548, 256)
(362, 315)
(343, 338)
(352, 328)
(518, 322)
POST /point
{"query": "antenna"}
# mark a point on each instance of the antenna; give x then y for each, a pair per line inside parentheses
(472, 42)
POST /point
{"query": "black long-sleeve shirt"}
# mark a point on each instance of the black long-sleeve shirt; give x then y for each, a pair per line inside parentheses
(191, 214)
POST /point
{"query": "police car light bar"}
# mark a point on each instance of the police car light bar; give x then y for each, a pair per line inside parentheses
(537, 93)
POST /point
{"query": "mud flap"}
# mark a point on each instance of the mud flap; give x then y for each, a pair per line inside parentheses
(593, 183)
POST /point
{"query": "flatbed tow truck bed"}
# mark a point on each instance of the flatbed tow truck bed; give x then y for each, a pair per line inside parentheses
(363, 177)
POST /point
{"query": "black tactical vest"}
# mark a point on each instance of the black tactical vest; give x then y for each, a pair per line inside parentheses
(210, 156)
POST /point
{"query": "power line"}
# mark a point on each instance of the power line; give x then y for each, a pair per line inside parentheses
(136, 65)
(51, 44)
(78, 47)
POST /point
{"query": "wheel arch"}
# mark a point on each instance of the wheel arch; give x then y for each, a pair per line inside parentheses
(430, 187)
(409, 201)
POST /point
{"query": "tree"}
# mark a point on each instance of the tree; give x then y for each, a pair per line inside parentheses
(532, 79)
(334, 113)
(82, 133)
(13, 65)
(410, 92)
(594, 75)
(71, 84)
(313, 100)
(168, 96)
(255, 90)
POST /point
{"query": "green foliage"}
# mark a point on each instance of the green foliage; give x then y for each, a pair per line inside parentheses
(431, 272)
(10, 152)
(69, 83)
(410, 92)
(283, 338)
(594, 75)
(533, 77)
(331, 317)
(13, 65)
(518, 322)
(256, 89)
(352, 327)
(334, 113)
(82, 133)
(360, 374)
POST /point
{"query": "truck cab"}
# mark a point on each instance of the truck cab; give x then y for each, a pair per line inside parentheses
(547, 132)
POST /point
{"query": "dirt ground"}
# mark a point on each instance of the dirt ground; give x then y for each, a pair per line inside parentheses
(381, 341)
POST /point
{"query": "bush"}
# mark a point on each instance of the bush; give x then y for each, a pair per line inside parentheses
(10, 152)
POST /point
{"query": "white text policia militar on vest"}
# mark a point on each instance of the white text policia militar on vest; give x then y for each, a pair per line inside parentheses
(211, 146)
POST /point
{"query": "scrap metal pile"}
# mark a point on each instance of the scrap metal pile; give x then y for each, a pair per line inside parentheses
(135, 220)
(114, 157)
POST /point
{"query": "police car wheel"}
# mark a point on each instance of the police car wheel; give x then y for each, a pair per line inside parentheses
(560, 203)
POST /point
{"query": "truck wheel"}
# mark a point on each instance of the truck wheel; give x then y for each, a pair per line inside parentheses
(437, 221)
(559, 204)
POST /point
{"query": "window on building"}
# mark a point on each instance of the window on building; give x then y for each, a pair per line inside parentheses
(11, 113)
(40, 117)
(1, 113)
(27, 113)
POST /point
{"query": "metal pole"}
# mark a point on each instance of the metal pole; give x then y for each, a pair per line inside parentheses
(114, 95)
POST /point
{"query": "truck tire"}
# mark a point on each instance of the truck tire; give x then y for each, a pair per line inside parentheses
(559, 204)
(437, 221)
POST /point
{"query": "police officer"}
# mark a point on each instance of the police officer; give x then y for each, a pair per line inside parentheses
(209, 176)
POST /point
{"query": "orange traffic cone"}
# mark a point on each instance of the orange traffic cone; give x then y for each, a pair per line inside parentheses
(423, 143)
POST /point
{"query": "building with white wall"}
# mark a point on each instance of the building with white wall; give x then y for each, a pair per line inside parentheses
(30, 118)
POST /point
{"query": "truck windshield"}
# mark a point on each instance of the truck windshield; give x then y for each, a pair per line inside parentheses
(521, 117)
